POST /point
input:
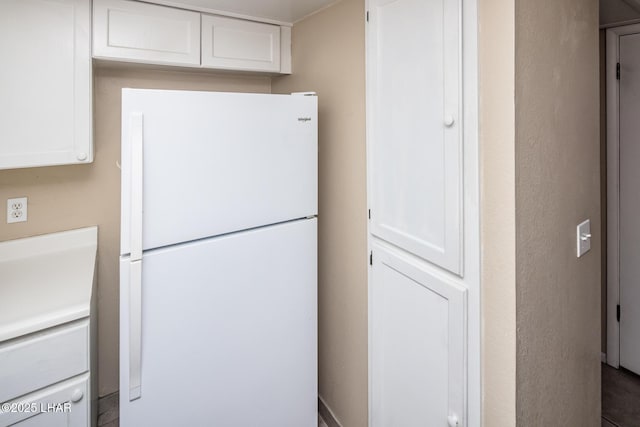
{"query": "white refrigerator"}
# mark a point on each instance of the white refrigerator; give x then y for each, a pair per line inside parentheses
(218, 266)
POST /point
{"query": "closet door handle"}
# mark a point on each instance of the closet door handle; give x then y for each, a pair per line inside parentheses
(449, 120)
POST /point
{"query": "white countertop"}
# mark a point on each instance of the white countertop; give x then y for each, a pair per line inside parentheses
(46, 280)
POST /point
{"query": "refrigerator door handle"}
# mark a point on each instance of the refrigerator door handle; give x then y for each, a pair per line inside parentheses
(137, 138)
(135, 330)
(135, 282)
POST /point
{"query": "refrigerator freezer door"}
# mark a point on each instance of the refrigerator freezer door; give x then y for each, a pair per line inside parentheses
(229, 331)
(215, 163)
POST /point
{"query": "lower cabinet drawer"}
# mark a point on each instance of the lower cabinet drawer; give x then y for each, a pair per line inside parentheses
(65, 404)
(34, 361)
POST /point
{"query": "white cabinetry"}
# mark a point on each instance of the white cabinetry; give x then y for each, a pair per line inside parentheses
(141, 32)
(45, 83)
(414, 121)
(235, 44)
(48, 330)
(417, 343)
(132, 31)
(39, 362)
(423, 228)
(62, 405)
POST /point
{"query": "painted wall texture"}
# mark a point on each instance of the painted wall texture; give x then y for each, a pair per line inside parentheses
(329, 58)
(557, 186)
(496, 49)
(68, 197)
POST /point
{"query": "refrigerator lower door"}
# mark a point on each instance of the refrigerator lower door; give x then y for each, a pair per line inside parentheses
(229, 331)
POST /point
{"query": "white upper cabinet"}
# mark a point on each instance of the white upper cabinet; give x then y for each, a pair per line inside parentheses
(140, 32)
(414, 127)
(45, 83)
(132, 31)
(240, 45)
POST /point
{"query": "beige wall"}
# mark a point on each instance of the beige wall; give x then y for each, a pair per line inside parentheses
(67, 197)
(557, 187)
(328, 57)
(497, 192)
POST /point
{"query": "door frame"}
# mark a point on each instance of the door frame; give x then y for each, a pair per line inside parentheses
(613, 35)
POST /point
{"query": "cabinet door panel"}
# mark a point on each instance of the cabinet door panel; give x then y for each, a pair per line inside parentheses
(240, 45)
(134, 31)
(45, 83)
(414, 124)
(65, 404)
(417, 344)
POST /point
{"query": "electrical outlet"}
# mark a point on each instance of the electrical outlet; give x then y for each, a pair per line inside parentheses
(16, 210)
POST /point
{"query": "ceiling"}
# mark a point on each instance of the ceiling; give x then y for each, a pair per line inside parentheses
(616, 11)
(277, 11)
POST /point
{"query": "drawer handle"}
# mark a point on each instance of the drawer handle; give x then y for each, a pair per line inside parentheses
(77, 395)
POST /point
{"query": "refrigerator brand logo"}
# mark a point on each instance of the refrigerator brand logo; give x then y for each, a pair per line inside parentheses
(304, 119)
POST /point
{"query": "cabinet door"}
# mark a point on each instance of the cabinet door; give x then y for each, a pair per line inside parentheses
(417, 344)
(45, 83)
(140, 32)
(240, 45)
(414, 127)
(65, 404)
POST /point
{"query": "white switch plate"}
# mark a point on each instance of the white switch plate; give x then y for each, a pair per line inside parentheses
(17, 210)
(583, 237)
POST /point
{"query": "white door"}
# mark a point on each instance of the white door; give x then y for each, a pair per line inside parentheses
(252, 156)
(417, 344)
(630, 202)
(228, 331)
(414, 127)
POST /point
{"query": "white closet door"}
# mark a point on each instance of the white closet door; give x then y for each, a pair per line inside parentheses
(414, 127)
(417, 344)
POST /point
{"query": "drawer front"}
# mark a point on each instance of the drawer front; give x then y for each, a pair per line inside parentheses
(65, 404)
(35, 361)
(240, 45)
(140, 32)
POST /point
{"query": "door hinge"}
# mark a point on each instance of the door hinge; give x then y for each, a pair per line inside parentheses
(369, 213)
(367, 16)
(618, 71)
(371, 258)
(618, 312)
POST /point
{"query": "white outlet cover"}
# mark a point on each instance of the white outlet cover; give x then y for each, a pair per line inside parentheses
(583, 238)
(17, 210)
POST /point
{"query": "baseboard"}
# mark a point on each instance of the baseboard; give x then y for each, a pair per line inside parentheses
(603, 357)
(326, 414)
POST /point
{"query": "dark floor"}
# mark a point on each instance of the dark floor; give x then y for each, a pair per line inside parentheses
(620, 398)
(108, 412)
